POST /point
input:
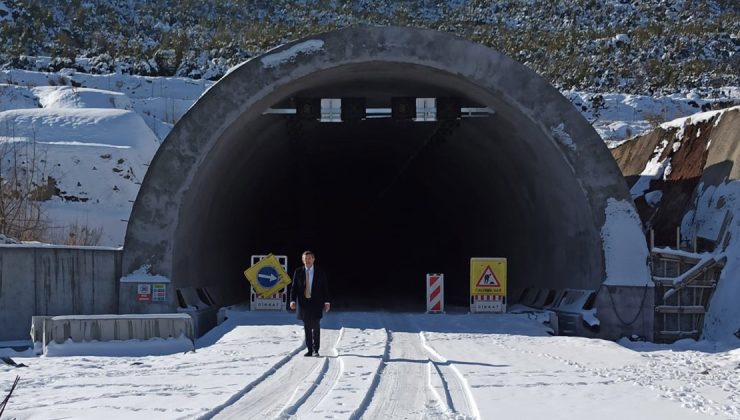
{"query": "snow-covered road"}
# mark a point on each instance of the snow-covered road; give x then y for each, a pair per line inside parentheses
(381, 365)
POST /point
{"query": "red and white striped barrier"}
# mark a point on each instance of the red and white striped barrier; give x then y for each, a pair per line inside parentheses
(278, 295)
(274, 302)
(487, 303)
(435, 293)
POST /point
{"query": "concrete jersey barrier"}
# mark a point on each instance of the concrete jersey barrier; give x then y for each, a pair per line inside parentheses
(81, 328)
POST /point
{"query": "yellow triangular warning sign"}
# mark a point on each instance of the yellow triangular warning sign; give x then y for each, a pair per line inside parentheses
(488, 279)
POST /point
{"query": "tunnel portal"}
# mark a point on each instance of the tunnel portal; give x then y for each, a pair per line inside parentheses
(384, 196)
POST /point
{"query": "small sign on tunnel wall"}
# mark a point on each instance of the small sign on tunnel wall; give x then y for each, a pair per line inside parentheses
(144, 292)
(159, 292)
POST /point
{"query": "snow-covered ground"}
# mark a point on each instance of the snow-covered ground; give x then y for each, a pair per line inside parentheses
(381, 365)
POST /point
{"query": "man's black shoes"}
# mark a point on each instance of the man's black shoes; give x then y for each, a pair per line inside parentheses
(308, 354)
(316, 353)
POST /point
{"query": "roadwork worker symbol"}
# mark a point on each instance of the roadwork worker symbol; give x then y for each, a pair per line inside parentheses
(488, 279)
(488, 276)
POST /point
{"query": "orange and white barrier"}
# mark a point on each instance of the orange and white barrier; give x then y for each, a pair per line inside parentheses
(488, 303)
(275, 302)
(435, 293)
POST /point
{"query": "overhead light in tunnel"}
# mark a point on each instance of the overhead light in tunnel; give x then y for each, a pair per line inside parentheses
(331, 110)
(351, 109)
(426, 109)
(438, 109)
(327, 109)
(403, 108)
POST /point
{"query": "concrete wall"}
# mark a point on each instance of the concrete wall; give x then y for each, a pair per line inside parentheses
(57, 280)
(624, 311)
(80, 328)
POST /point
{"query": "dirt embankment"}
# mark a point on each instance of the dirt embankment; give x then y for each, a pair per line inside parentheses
(703, 151)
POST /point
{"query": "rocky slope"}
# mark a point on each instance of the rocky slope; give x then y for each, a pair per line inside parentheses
(686, 174)
(629, 46)
(672, 167)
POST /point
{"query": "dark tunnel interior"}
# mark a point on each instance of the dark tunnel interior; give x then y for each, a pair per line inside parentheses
(382, 202)
(370, 200)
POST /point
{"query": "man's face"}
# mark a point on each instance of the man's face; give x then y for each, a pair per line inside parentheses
(308, 260)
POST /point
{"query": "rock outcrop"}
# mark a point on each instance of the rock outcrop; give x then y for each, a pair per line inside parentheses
(669, 168)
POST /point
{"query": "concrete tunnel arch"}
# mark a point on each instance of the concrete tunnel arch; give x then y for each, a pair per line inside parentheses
(378, 202)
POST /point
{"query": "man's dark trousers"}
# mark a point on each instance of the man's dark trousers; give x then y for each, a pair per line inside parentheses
(312, 328)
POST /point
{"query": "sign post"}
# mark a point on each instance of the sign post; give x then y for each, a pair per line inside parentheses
(435, 293)
(488, 285)
(270, 276)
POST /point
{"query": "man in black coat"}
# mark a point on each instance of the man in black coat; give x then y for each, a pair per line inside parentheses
(311, 291)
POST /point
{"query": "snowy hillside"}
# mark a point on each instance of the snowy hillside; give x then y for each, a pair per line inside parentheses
(88, 139)
(639, 46)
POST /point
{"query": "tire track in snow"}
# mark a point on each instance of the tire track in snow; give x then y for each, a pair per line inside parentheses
(326, 377)
(403, 390)
(267, 399)
(458, 395)
(360, 353)
(316, 394)
(250, 386)
(376, 380)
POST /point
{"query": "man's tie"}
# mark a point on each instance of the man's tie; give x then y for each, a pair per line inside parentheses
(307, 292)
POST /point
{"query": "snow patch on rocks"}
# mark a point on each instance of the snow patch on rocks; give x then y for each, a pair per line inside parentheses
(716, 204)
(279, 58)
(682, 123)
(562, 136)
(654, 169)
(653, 197)
(625, 250)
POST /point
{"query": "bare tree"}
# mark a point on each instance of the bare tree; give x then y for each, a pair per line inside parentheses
(23, 185)
(77, 233)
(654, 118)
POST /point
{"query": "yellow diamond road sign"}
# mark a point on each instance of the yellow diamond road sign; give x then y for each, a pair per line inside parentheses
(267, 276)
(488, 276)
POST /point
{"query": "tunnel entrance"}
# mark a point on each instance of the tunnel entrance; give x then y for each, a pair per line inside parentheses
(381, 201)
